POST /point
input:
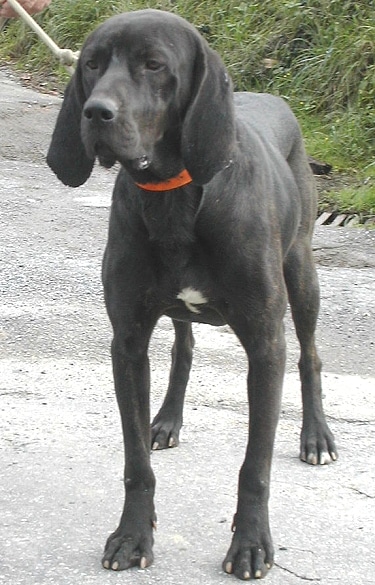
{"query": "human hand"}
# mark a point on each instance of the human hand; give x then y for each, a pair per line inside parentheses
(31, 6)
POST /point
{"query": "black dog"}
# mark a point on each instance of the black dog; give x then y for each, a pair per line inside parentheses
(211, 221)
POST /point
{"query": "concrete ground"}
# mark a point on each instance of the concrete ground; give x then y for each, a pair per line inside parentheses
(61, 448)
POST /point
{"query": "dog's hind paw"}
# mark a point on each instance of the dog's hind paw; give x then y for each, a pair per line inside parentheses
(164, 432)
(322, 458)
(318, 445)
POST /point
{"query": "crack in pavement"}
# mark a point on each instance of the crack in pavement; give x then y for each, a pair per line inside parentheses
(302, 577)
(360, 492)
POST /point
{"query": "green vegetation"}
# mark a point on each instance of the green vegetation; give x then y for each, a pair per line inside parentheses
(317, 54)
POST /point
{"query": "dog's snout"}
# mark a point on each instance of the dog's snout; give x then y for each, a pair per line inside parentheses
(100, 110)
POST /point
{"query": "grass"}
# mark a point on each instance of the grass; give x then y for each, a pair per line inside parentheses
(317, 54)
(360, 200)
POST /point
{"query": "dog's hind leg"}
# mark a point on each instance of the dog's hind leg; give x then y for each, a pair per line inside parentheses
(165, 427)
(317, 442)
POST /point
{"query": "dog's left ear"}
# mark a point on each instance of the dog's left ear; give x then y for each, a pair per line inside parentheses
(208, 133)
(66, 155)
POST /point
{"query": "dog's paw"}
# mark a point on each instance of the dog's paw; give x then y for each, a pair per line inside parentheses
(248, 560)
(124, 550)
(165, 432)
(317, 445)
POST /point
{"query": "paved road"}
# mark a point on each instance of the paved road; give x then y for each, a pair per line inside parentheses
(60, 446)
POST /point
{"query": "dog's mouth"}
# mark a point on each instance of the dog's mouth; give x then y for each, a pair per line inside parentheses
(102, 152)
(107, 158)
(142, 163)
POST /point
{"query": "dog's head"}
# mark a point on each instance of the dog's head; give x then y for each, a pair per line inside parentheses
(147, 92)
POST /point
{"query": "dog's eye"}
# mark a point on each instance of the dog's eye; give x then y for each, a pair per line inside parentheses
(92, 64)
(153, 65)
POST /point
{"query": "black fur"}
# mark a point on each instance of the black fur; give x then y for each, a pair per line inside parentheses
(150, 93)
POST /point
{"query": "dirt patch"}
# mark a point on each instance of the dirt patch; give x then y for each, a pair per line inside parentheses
(42, 82)
(334, 182)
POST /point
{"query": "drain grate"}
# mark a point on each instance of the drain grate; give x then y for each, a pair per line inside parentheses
(336, 219)
(333, 218)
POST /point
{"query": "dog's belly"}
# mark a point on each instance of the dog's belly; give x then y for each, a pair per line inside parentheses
(207, 315)
(193, 306)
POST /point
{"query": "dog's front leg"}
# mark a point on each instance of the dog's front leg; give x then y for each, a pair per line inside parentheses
(251, 550)
(131, 544)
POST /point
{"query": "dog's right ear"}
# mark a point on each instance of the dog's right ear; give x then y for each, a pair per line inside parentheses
(66, 155)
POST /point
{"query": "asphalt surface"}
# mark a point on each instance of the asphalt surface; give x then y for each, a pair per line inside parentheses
(61, 448)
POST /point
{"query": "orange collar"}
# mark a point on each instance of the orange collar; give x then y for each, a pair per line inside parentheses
(179, 180)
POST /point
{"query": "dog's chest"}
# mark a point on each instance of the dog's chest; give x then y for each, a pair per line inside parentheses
(186, 288)
(183, 274)
(181, 259)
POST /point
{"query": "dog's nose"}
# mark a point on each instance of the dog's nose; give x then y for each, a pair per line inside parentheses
(100, 110)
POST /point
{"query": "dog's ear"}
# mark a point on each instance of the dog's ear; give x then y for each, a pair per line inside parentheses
(208, 133)
(66, 155)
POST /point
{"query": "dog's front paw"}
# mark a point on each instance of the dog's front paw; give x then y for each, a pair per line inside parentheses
(247, 558)
(125, 549)
(317, 444)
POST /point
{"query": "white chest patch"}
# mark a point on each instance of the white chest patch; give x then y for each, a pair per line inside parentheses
(192, 297)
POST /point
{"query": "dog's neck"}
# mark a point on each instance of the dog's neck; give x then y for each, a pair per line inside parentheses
(169, 217)
(167, 170)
